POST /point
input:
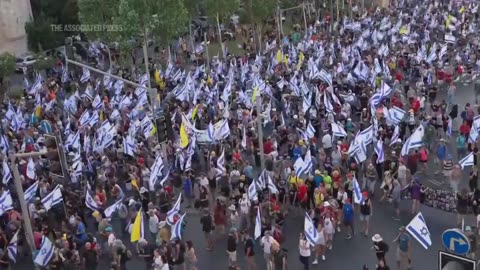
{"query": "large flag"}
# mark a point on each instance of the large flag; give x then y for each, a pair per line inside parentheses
(45, 253)
(380, 152)
(53, 198)
(31, 192)
(137, 228)
(6, 202)
(177, 228)
(7, 173)
(271, 186)
(12, 248)
(338, 131)
(31, 169)
(419, 230)
(310, 231)
(415, 141)
(357, 192)
(258, 225)
(174, 211)
(467, 161)
(90, 202)
(395, 135)
(252, 191)
(112, 208)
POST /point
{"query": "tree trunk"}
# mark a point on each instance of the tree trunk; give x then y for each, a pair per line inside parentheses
(259, 32)
(220, 37)
(191, 37)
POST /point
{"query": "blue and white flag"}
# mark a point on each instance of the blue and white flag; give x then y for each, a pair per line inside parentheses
(155, 171)
(308, 163)
(177, 228)
(395, 135)
(211, 132)
(310, 132)
(310, 231)
(90, 202)
(258, 225)
(467, 161)
(271, 186)
(252, 191)
(53, 198)
(112, 208)
(449, 127)
(85, 76)
(45, 253)
(415, 140)
(419, 230)
(380, 152)
(299, 165)
(12, 248)
(221, 164)
(396, 115)
(7, 173)
(64, 75)
(129, 147)
(6, 202)
(31, 192)
(357, 192)
(174, 211)
(338, 131)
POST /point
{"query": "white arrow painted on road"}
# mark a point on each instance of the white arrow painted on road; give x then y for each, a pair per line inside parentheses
(458, 240)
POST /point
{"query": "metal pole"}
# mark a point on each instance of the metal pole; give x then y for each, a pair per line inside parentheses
(206, 50)
(104, 73)
(152, 92)
(331, 16)
(27, 223)
(260, 132)
(363, 6)
(305, 18)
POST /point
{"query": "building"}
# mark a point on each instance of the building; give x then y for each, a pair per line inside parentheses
(13, 16)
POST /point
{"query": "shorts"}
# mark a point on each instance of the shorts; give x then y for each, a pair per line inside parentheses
(232, 256)
(401, 255)
(364, 217)
(396, 204)
(347, 223)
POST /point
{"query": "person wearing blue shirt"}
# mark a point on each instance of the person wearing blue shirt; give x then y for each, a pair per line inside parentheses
(441, 152)
(81, 234)
(296, 152)
(317, 179)
(348, 217)
(187, 191)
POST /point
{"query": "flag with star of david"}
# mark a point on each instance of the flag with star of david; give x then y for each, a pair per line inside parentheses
(419, 230)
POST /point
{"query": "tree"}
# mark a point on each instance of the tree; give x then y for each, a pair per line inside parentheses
(7, 67)
(219, 11)
(260, 11)
(41, 35)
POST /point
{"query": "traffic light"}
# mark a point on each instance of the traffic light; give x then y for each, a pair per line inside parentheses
(164, 128)
(53, 155)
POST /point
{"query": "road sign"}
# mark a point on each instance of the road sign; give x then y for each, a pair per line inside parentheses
(455, 241)
(447, 261)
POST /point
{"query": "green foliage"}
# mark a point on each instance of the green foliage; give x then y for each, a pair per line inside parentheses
(263, 9)
(191, 7)
(43, 62)
(41, 35)
(7, 65)
(287, 3)
(99, 12)
(223, 8)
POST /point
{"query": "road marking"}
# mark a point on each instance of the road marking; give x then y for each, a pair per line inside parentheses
(438, 183)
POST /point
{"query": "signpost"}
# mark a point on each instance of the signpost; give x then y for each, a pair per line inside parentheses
(448, 261)
(456, 242)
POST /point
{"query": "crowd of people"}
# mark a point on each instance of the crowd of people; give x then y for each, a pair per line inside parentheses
(346, 119)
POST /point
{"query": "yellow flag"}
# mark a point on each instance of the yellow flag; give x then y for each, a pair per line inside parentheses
(194, 112)
(462, 9)
(137, 228)
(183, 136)
(285, 60)
(101, 116)
(279, 56)
(254, 94)
(301, 57)
(209, 80)
(403, 31)
(134, 184)
(38, 111)
(448, 20)
(154, 131)
(158, 80)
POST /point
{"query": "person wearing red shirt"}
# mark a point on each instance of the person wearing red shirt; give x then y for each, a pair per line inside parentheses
(415, 105)
(267, 147)
(465, 128)
(302, 193)
(398, 76)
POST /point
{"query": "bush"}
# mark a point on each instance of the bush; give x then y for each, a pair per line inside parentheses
(41, 35)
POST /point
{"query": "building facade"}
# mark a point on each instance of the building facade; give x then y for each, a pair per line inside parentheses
(13, 16)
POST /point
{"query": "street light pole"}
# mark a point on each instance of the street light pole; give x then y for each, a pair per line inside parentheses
(27, 224)
(260, 132)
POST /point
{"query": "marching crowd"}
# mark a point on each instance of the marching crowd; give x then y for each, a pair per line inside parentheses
(345, 119)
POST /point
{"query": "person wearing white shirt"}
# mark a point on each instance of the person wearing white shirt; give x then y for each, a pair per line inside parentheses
(266, 242)
(327, 143)
(304, 250)
(153, 223)
(244, 213)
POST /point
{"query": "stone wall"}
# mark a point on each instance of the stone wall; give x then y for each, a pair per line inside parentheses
(13, 16)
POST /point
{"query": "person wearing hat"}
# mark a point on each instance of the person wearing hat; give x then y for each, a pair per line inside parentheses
(365, 212)
(403, 248)
(232, 242)
(380, 247)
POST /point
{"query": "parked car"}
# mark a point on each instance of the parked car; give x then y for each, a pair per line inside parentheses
(24, 62)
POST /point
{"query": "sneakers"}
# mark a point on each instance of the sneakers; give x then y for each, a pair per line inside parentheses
(349, 236)
(330, 247)
(323, 258)
(338, 229)
(315, 262)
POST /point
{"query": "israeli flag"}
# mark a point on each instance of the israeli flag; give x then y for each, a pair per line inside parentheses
(395, 135)
(299, 165)
(396, 115)
(252, 191)
(357, 192)
(85, 76)
(467, 161)
(31, 169)
(221, 164)
(45, 253)
(177, 228)
(271, 186)
(211, 132)
(129, 146)
(64, 75)
(7, 173)
(380, 152)
(174, 211)
(31, 192)
(415, 141)
(112, 208)
(308, 164)
(53, 198)
(338, 131)
(310, 231)
(449, 127)
(155, 171)
(258, 225)
(419, 230)
(12, 248)
(90, 202)
(6, 202)
(310, 132)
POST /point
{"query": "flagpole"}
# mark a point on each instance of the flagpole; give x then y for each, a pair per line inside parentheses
(21, 196)
(260, 131)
